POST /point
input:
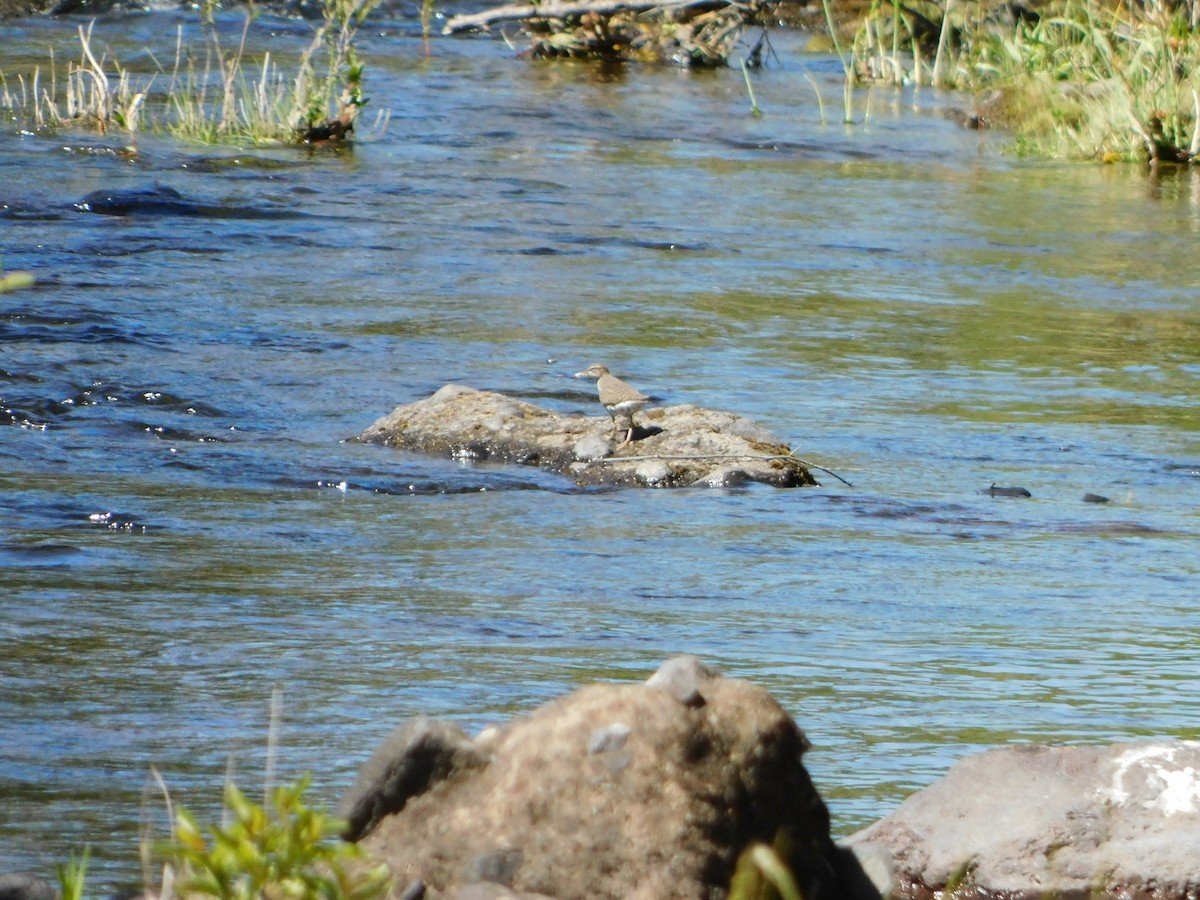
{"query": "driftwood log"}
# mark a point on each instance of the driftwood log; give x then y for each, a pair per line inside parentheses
(516, 12)
(699, 33)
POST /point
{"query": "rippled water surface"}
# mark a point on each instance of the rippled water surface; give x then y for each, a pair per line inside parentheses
(184, 528)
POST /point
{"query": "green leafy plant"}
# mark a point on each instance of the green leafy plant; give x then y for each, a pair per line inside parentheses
(282, 850)
(329, 103)
(285, 851)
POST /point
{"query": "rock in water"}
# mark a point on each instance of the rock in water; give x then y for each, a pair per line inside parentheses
(156, 200)
(25, 887)
(623, 791)
(675, 446)
(1034, 821)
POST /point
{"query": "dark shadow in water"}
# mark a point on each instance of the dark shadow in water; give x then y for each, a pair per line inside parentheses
(25, 326)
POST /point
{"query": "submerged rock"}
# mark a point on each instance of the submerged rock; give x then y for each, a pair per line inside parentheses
(672, 446)
(155, 200)
(25, 887)
(160, 200)
(1028, 822)
(617, 791)
(997, 491)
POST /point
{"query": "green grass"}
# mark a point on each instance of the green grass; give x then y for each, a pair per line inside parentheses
(72, 876)
(213, 94)
(1082, 80)
(284, 850)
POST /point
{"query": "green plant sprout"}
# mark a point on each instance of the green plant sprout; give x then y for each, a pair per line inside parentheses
(285, 851)
(281, 850)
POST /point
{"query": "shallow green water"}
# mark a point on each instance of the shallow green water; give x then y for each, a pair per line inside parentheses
(184, 529)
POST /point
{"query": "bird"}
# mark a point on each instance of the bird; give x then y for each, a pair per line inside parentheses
(620, 399)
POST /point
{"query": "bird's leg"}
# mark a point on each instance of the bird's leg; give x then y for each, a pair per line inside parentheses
(628, 436)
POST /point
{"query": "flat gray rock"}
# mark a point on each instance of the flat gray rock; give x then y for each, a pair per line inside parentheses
(1029, 822)
(673, 446)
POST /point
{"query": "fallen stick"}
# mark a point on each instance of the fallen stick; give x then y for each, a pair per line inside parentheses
(556, 9)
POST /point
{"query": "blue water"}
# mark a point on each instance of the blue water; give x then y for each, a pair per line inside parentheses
(185, 528)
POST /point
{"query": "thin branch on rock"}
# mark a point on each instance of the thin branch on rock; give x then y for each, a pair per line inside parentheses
(551, 10)
(688, 32)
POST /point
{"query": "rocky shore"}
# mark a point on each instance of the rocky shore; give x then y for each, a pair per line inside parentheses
(654, 791)
(657, 790)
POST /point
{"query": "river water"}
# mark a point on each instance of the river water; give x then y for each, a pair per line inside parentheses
(185, 530)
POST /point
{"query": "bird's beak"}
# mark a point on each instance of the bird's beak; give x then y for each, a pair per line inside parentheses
(580, 375)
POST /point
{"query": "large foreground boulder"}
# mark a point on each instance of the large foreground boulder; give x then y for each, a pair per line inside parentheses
(20, 886)
(12, 9)
(1030, 822)
(672, 447)
(619, 791)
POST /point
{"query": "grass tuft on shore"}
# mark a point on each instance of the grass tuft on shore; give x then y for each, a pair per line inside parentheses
(1074, 79)
(213, 94)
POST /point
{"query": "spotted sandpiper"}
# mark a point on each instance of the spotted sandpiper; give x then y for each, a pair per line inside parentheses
(620, 399)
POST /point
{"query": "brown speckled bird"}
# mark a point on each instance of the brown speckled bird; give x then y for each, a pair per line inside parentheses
(620, 399)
